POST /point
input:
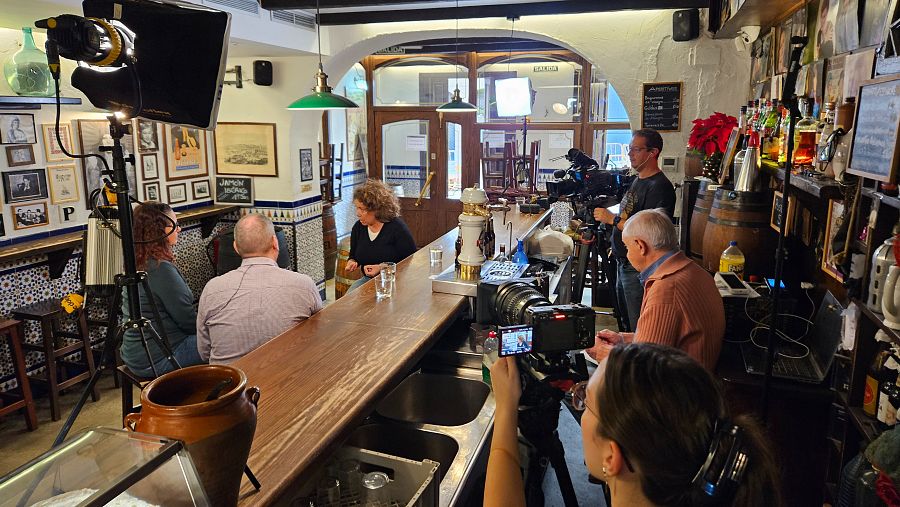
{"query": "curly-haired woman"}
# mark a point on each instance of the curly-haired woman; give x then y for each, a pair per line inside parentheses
(379, 235)
(155, 233)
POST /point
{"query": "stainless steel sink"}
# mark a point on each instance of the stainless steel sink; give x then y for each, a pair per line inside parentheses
(443, 400)
(407, 442)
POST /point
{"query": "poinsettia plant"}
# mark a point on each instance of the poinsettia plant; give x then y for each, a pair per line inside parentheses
(710, 135)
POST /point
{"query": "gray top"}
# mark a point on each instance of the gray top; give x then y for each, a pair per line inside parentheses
(245, 308)
(176, 307)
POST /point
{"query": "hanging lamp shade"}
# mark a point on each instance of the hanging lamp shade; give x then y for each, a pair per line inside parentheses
(457, 105)
(322, 98)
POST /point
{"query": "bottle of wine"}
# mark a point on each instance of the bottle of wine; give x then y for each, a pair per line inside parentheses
(489, 240)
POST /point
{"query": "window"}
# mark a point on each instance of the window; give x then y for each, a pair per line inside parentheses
(418, 82)
(555, 87)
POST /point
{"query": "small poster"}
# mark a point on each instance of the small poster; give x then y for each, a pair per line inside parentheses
(417, 142)
(306, 170)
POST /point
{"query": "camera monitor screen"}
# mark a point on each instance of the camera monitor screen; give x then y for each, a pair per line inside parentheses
(516, 340)
(513, 96)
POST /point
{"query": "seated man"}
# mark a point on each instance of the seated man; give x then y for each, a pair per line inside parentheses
(681, 307)
(246, 307)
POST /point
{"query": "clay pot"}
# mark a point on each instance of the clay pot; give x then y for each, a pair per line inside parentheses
(217, 433)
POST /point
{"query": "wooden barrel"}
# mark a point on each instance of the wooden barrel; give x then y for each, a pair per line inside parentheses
(329, 239)
(699, 217)
(741, 217)
(342, 279)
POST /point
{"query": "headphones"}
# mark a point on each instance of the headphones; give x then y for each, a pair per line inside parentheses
(725, 464)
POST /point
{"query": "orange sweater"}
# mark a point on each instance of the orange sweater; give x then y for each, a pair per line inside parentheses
(682, 308)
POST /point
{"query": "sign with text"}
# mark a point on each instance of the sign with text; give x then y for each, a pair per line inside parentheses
(875, 139)
(234, 190)
(661, 107)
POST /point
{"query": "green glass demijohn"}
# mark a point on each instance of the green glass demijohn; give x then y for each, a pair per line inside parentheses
(27, 71)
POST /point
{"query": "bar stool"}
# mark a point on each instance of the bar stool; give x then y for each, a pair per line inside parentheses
(48, 313)
(12, 330)
(129, 380)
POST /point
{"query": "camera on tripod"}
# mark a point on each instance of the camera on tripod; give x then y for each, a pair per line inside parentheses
(528, 322)
(586, 181)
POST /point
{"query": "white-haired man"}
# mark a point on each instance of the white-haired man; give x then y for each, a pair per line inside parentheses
(681, 306)
(248, 306)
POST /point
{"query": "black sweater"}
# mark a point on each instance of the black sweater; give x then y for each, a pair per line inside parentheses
(393, 243)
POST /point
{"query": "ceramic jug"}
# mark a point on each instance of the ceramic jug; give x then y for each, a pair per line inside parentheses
(890, 299)
(217, 433)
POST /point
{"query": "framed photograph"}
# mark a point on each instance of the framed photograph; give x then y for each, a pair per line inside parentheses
(52, 150)
(357, 151)
(63, 183)
(90, 137)
(200, 189)
(149, 166)
(777, 207)
(148, 136)
(2, 227)
(25, 185)
(875, 151)
(151, 191)
(875, 16)
(177, 193)
(816, 79)
(783, 46)
(185, 152)
(306, 169)
(30, 215)
(846, 29)
(858, 67)
(19, 154)
(246, 149)
(825, 28)
(834, 80)
(17, 129)
(835, 219)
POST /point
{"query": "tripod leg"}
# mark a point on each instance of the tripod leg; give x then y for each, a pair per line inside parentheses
(557, 457)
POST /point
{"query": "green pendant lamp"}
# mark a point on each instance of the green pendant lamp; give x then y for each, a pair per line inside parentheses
(321, 98)
(457, 104)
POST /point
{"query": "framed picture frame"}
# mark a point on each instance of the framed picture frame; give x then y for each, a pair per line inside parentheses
(835, 219)
(52, 151)
(149, 167)
(875, 150)
(246, 149)
(63, 183)
(200, 189)
(25, 185)
(177, 193)
(777, 205)
(306, 169)
(17, 129)
(90, 137)
(19, 155)
(151, 191)
(147, 136)
(185, 152)
(33, 214)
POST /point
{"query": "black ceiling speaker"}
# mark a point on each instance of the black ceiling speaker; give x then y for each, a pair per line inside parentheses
(685, 25)
(262, 72)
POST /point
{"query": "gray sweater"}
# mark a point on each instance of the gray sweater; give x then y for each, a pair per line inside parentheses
(176, 307)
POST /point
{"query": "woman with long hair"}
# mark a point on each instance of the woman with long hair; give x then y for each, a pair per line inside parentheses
(380, 235)
(155, 234)
(655, 428)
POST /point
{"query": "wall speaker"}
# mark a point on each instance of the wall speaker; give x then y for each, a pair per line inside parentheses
(685, 25)
(262, 72)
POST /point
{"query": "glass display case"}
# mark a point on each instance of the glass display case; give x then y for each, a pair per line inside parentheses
(104, 466)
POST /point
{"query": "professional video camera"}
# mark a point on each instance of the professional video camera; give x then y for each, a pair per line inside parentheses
(528, 322)
(585, 180)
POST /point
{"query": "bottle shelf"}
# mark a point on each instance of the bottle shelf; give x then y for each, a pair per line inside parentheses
(762, 13)
(823, 188)
(878, 320)
(893, 202)
(20, 102)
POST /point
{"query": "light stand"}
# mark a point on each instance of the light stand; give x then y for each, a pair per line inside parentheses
(789, 101)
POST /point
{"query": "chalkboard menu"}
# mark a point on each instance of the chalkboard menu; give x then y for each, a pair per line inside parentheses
(661, 107)
(874, 152)
(234, 190)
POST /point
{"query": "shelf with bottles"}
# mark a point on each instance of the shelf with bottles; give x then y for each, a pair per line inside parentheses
(762, 13)
(878, 320)
(867, 426)
(17, 102)
(893, 202)
(821, 187)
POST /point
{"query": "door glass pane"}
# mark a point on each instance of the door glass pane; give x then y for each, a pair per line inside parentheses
(454, 160)
(605, 102)
(555, 86)
(615, 144)
(404, 156)
(545, 147)
(418, 82)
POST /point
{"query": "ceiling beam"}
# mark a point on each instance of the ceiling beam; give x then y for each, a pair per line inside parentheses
(482, 11)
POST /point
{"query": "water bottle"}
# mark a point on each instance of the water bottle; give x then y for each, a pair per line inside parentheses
(489, 357)
(732, 260)
(520, 257)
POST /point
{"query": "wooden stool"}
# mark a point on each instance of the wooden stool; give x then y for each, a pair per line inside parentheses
(48, 312)
(12, 329)
(129, 380)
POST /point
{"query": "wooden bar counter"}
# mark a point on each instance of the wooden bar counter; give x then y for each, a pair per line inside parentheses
(320, 379)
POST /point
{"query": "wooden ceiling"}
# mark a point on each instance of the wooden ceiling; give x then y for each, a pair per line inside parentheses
(352, 12)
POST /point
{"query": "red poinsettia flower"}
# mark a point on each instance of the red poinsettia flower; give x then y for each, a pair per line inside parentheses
(710, 135)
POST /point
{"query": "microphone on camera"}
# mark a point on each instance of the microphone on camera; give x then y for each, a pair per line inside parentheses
(560, 174)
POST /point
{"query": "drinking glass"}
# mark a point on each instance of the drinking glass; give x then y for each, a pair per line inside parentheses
(388, 268)
(436, 255)
(519, 202)
(328, 492)
(375, 486)
(384, 281)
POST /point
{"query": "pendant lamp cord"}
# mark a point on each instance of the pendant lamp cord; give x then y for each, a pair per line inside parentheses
(509, 58)
(319, 34)
(457, 44)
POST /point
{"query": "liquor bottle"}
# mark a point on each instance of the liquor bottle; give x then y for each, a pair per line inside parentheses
(805, 138)
(520, 256)
(489, 240)
(782, 138)
(823, 153)
(873, 375)
(769, 128)
(459, 244)
(886, 414)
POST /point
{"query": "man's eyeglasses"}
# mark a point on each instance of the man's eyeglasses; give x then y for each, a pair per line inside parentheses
(633, 149)
(579, 403)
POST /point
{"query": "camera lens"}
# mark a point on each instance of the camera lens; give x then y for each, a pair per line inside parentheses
(513, 299)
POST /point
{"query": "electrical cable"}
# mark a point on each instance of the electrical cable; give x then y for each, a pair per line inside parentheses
(762, 325)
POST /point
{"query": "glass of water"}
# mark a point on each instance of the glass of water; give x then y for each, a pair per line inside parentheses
(436, 255)
(384, 281)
